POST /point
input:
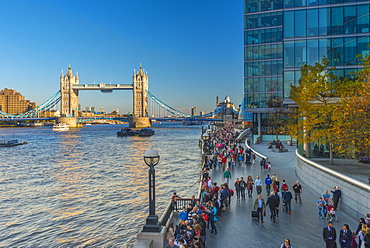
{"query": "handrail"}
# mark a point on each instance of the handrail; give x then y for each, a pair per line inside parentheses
(335, 173)
(166, 215)
(254, 151)
(244, 133)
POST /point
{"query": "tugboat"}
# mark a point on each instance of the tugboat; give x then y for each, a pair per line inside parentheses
(126, 132)
(146, 132)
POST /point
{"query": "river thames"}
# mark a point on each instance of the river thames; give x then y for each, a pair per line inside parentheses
(87, 187)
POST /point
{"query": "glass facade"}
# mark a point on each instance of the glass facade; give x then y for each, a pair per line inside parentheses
(279, 36)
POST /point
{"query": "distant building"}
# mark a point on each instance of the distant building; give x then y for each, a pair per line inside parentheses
(92, 109)
(102, 110)
(88, 109)
(193, 111)
(12, 102)
(228, 112)
(201, 113)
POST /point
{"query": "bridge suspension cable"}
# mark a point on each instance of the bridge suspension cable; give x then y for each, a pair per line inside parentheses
(46, 106)
(179, 113)
(167, 107)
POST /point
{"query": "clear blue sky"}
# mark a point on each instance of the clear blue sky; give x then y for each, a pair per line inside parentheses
(192, 50)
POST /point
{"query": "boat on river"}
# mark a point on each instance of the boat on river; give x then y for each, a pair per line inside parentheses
(146, 132)
(126, 132)
(60, 127)
(130, 132)
(9, 143)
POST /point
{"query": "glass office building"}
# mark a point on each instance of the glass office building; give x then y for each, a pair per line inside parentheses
(280, 35)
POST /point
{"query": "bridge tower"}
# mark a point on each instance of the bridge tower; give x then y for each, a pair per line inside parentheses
(69, 98)
(140, 117)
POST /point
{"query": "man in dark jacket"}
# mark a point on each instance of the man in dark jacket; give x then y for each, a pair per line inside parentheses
(273, 202)
(287, 196)
(329, 235)
(336, 195)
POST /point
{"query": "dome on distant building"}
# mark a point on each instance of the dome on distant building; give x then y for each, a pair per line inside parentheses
(227, 99)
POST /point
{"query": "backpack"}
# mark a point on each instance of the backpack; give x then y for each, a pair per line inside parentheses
(284, 187)
(231, 191)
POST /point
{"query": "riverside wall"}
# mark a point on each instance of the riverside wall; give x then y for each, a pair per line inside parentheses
(355, 200)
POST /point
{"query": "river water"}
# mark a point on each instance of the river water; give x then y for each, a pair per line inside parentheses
(87, 187)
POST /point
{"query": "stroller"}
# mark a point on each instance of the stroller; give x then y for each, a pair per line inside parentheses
(331, 215)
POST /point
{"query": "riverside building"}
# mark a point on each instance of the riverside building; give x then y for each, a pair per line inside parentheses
(12, 102)
(279, 36)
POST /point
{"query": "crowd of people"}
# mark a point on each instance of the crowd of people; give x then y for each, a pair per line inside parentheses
(201, 215)
(224, 152)
(347, 238)
(327, 205)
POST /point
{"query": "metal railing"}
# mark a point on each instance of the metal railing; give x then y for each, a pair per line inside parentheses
(180, 203)
(334, 173)
(254, 151)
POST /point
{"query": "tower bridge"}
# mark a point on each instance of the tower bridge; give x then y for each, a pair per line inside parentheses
(70, 87)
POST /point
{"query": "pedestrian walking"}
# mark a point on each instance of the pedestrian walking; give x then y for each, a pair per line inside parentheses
(258, 185)
(237, 187)
(250, 186)
(329, 235)
(268, 182)
(227, 176)
(367, 238)
(273, 203)
(287, 197)
(286, 244)
(260, 207)
(253, 159)
(297, 188)
(243, 185)
(263, 163)
(359, 231)
(345, 237)
(320, 203)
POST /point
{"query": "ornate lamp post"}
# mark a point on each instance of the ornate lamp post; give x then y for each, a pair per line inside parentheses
(151, 158)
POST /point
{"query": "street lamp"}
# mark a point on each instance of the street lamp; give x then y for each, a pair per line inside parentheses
(151, 158)
(205, 136)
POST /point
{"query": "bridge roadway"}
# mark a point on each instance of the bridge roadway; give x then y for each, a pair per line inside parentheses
(303, 227)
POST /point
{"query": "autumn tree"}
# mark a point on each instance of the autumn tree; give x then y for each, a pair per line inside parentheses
(316, 96)
(353, 119)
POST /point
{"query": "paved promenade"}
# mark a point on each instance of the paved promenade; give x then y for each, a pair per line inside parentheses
(303, 227)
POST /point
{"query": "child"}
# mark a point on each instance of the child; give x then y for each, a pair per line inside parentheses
(319, 204)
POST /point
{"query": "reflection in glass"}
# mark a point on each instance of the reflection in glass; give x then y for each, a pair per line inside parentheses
(313, 22)
(312, 52)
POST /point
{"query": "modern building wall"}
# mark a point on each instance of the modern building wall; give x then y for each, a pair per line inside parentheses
(279, 36)
(12, 102)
